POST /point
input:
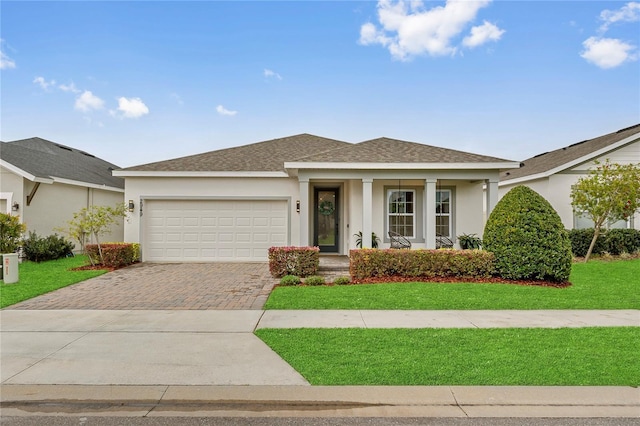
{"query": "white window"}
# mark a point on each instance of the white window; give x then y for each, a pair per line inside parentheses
(582, 221)
(401, 216)
(443, 213)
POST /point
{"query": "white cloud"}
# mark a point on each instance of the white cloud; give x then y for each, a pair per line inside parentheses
(630, 12)
(407, 29)
(5, 61)
(88, 101)
(608, 52)
(482, 34)
(71, 87)
(44, 84)
(272, 74)
(130, 108)
(177, 98)
(223, 111)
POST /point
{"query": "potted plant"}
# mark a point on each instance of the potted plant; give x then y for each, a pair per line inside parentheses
(374, 240)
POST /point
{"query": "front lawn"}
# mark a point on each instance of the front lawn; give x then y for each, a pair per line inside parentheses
(41, 278)
(596, 285)
(606, 356)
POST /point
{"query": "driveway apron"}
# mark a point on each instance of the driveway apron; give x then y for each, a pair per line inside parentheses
(164, 286)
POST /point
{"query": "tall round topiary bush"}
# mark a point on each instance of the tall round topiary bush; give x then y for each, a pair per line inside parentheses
(527, 238)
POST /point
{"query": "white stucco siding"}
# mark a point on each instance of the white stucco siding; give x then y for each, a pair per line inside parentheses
(468, 209)
(11, 190)
(53, 205)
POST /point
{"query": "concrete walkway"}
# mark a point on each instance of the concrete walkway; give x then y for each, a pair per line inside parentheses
(209, 362)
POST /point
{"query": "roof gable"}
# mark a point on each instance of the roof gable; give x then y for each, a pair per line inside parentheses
(547, 163)
(45, 159)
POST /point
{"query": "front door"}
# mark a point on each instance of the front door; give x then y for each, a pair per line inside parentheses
(325, 233)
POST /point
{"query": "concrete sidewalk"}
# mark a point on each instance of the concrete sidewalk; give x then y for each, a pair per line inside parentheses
(168, 362)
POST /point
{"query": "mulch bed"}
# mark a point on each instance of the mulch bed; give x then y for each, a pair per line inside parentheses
(490, 280)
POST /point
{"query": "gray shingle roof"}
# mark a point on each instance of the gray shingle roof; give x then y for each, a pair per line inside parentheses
(264, 156)
(547, 161)
(386, 150)
(271, 155)
(46, 159)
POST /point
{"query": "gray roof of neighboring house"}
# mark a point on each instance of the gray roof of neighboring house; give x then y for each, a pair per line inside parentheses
(547, 161)
(271, 155)
(45, 159)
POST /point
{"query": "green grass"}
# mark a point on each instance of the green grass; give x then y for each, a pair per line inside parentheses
(533, 357)
(40, 278)
(596, 285)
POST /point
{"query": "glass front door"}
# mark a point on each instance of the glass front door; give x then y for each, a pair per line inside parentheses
(325, 234)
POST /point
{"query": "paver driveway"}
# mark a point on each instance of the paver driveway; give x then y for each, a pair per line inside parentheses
(166, 286)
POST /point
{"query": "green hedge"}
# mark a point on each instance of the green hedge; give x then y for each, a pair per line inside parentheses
(52, 247)
(612, 241)
(299, 261)
(369, 263)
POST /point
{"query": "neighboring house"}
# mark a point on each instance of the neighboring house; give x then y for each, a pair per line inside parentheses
(45, 183)
(233, 204)
(552, 174)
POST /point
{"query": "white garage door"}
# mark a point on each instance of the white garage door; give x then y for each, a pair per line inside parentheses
(208, 230)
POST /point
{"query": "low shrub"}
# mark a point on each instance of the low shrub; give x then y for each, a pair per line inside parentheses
(612, 241)
(367, 263)
(11, 231)
(136, 249)
(618, 241)
(342, 281)
(314, 280)
(40, 249)
(289, 280)
(114, 255)
(300, 261)
(581, 239)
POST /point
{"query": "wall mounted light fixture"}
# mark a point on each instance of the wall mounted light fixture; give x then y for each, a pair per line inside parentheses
(298, 206)
(131, 206)
(15, 207)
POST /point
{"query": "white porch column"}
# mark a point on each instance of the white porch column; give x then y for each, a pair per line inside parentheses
(430, 213)
(492, 195)
(304, 211)
(367, 209)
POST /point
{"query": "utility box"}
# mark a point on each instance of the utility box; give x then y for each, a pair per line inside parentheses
(10, 268)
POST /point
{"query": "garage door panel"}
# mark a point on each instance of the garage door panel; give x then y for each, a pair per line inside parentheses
(208, 230)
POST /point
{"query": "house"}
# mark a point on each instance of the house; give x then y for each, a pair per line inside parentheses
(233, 204)
(552, 174)
(44, 183)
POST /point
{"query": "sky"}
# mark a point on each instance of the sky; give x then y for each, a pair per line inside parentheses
(144, 81)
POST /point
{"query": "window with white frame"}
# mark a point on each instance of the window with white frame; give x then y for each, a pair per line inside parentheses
(401, 212)
(443, 213)
(582, 221)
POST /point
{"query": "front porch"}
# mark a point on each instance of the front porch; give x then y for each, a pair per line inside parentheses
(335, 206)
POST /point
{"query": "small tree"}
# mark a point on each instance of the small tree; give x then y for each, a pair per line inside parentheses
(611, 192)
(95, 221)
(11, 231)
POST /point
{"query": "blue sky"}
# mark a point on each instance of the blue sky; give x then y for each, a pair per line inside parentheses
(136, 82)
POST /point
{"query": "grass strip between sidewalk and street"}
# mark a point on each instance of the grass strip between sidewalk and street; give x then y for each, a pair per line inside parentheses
(40, 278)
(597, 356)
(595, 285)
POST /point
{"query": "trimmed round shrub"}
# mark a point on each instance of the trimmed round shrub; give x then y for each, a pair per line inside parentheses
(527, 238)
(341, 281)
(290, 280)
(314, 280)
